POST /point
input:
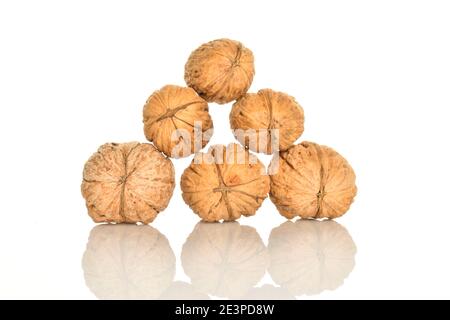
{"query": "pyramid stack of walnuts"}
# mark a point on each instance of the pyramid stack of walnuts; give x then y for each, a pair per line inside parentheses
(133, 182)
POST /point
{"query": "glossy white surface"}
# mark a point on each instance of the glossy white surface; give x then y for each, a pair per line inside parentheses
(372, 77)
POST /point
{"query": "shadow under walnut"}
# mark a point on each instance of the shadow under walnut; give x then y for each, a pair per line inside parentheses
(127, 183)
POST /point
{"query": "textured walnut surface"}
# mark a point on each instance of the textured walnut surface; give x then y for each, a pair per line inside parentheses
(312, 181)
(128, 182)
(175, 108)
(220, 71)
(128, 262)
(224, 259)
(224, 183)
(307, 257)
(263, 112)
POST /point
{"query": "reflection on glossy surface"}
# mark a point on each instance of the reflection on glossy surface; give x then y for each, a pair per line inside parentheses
(224, 259)
(308, 257)
(268, 292)
(180, 290)
(128, 262)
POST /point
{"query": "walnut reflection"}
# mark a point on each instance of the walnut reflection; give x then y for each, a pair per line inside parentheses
(128, 262)
(224, 259)
(308, 257)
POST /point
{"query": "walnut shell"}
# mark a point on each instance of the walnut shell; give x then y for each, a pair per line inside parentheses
(177, 121)
(308, 257)
(224, 183)
(220, 71)
(255, 117)
(224, 259)
(128, 262)
(127, 182)
(311, 181)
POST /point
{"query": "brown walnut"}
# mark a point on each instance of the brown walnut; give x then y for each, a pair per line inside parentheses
(268, 292)
(224, 183)
(220, 71)
(127, 182)
(128, 262)
(180, 290)
(170, 116)
(224, 259)
(267, 121)
(311, 181)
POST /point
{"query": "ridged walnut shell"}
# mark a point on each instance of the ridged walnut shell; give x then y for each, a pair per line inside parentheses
(308, 257)
(311, 181)
(177, 121)
(220, 71)
(224, 259)
(254, 117)
(127, 183)
(128, 262)
(224, 183)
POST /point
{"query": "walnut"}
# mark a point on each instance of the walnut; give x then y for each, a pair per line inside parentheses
(128, 182)
(224, 183)
(224, 259)
(267, 121)
(220, 71)
(177, 121)
(128, 262)
(308, 257)
(311, 181)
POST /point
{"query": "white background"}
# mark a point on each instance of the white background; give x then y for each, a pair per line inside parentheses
(372, 76)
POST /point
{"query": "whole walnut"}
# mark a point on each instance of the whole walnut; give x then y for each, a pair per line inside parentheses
(127, 182)
(311, 181)
(220, 71)
(267, 121)
(224, 259)
(128, 262)
(224, 183)
(177, 121)
(308, 257)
